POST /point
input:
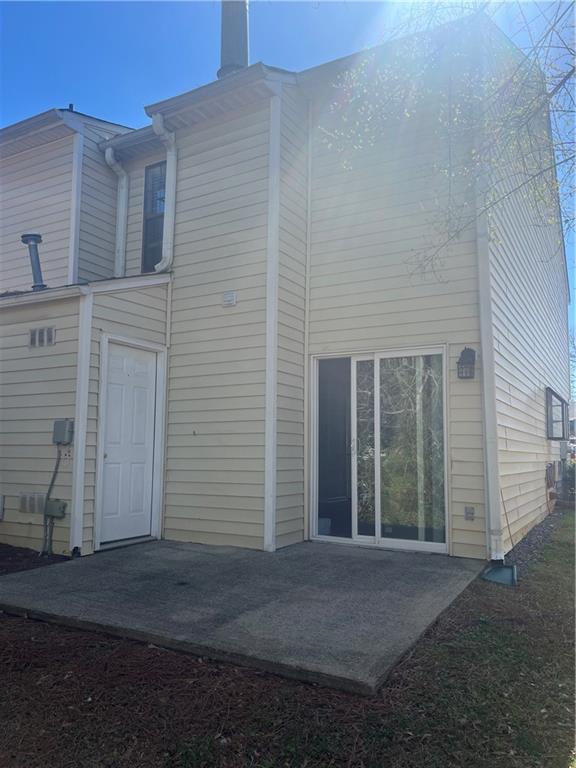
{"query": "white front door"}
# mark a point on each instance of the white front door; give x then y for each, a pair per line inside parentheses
(128, 459)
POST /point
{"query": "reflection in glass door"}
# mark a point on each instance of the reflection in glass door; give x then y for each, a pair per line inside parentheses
(397, 418)
(412, 448)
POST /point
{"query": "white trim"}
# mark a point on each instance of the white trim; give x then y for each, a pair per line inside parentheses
(159, 430)
(354, 444)
(168, 139)
(73, 291)
(307, 389)
(122, 192)
(39, 297)
(75, 202)
(391, 545)
(272, 259)
(377, 540)
(491, 469)
(129, 283)
(81, 420)
(377, 449)
(313, 454)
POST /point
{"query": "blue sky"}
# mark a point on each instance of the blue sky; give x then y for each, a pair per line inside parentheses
(110, 59)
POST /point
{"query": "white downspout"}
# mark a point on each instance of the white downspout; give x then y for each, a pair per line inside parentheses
(121, 213)
(169, 140)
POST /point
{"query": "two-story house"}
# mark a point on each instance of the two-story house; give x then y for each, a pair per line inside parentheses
(267, 330)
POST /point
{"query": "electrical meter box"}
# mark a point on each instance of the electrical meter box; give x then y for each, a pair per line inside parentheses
(55, 508)
(63, 431)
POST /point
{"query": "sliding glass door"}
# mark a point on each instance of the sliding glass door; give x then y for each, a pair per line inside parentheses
(387, 486)
(411, 482)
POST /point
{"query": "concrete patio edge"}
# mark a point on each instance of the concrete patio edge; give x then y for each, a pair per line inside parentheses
(206, 651)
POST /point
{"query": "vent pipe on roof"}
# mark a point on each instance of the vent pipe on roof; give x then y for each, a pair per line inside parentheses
(234, 39)
(32, 242)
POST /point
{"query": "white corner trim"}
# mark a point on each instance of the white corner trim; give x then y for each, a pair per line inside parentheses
(121, 212)
(75, 201)
(494, 539)
(169, 140)
(309, 510)
(491, 467)
(81, 419)
(272, 265)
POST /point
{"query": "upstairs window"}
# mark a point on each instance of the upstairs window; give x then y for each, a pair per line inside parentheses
(556, 416)
(154, 194)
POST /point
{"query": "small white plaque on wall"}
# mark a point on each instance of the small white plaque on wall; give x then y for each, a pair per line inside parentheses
(229, 299)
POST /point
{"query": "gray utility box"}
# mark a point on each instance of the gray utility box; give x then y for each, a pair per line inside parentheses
(63, 432)
(55, 508)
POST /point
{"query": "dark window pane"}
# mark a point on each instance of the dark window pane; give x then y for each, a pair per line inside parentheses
(556, 416)
(334, 459)
(154, 200)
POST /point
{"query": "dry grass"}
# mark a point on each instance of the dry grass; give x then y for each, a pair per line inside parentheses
(490, 685)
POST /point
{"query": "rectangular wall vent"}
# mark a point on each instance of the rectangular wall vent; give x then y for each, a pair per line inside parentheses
(42, 337)
(32, 503)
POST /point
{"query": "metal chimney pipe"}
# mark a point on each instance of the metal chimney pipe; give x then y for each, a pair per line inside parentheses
(32, 242)
(234, 37)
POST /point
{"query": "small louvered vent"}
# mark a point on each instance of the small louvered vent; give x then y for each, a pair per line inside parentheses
(42, 337)
(32, 503)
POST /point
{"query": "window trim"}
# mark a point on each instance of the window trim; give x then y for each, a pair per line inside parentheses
(550, 393)
(145, 218)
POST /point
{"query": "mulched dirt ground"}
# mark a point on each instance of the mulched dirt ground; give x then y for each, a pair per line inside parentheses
(20, 559)
(489, 685)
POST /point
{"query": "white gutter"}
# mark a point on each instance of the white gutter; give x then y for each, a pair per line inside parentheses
(169, 140)
(121, 212)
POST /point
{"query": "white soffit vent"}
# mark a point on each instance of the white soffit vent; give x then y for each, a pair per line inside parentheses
(42, 337)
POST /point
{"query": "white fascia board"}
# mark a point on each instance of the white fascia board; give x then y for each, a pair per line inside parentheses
(272, 269)
(72, 291)
(128, 283)
(39, 297)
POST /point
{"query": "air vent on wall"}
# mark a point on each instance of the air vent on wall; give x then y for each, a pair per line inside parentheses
(42, 337)
(32, 503)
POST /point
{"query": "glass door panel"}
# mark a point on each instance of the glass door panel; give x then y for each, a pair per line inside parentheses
(365, 449)
(412, 448)
(334, 449)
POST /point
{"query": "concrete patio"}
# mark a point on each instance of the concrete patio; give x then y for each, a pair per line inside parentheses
(332, 614)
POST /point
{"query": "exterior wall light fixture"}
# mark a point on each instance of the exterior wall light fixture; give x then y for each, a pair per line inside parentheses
(466, 363)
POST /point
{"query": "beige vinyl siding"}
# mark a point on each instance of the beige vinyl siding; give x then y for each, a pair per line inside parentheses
(36, 387)
(291, 313)
(529, 311)
(97, 211)
(136, 170)
(375, 213)
(35, 196)
(215, 440)
(138, 314)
